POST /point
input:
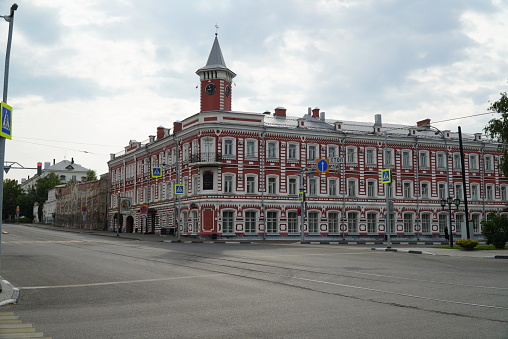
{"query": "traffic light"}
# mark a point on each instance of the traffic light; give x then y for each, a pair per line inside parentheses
(39, 168)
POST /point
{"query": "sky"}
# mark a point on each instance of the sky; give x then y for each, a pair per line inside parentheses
(88, 76)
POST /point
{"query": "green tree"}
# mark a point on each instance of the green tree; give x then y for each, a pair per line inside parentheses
(497, 129)
(91, 175)
(495, 229)
(12, 194)
(39, 193)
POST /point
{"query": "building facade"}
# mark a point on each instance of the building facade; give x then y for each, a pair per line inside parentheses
(65, 170)
(242, 174)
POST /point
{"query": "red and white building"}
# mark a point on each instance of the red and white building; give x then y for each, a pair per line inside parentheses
(241, 172)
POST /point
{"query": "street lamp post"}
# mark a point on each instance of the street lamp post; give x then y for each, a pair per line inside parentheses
(10, 20)
(449, 201)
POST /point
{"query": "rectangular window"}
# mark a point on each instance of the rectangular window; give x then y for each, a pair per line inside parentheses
(332, 151)
(228, 147)
(228, 184)
(351, 156)
(441, 160)
(474, 192)
(458, 192)
(488, 163)
(457, 164)
(251, 149)
(425, 190)
(333, 222)
(271, 222)
(442, 222)
(388, 157)
(312, 152)
(250, 222)
(392, 223)
(371, 189)
(272, 150)
(407, 190)
(292, 152)
(408, 223)
(442, 191)
(332, 187)
(503, 193)
(426, 223)
(489, 190)
(351, 188)
(371, 222)
(272, 185)
(423, 160)
(250, 185)
(352, 222)
(406, 159)
(476, 223)
(293, 222)
(312, 186)
(459, 220)
(227, 221)
(292, 186)
(370, 157)
(473, 162)
(313, 222)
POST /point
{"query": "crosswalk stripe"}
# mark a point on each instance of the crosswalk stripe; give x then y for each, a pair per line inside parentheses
(12, 327)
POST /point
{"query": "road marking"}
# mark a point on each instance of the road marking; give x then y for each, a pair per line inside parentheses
(120, 282)
(12, 327)
(46, 241)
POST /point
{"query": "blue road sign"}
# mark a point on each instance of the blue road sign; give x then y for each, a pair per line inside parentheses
(386, 176)
(322, 165)
(156, 172)
(6, 121)
(301, 196)
(179, 189)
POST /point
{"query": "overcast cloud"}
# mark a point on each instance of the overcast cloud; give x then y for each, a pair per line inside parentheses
(88, 76)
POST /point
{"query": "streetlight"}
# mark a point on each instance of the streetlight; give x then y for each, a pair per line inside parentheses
(10, 20)
(449, 201)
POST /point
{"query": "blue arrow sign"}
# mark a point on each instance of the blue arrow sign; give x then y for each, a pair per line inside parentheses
(322, 165)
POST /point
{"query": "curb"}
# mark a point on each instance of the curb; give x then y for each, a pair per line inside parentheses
(14, 297)
(401, 251)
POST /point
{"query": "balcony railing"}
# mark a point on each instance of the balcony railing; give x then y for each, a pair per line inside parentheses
(206, 157)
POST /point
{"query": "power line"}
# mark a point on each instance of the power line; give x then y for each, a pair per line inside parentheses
(65, 148)
(68, 142)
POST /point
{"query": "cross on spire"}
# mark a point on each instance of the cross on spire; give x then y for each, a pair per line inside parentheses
(216, 29)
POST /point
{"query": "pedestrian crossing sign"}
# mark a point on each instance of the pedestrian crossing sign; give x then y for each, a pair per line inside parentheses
(156, 172)
(386, 176)
(179, 189)
(301, 196)
(6, 130)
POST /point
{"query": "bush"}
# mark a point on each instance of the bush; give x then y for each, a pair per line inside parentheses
(495, 229)
(467, 243)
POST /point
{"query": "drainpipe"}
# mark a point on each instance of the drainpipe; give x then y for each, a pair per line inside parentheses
(344, 187)
(417, 181)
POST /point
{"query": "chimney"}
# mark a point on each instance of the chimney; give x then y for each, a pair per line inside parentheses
(177, 126)
(151, 139)
(54, 161)
(315, 113)
(424, 123)
(111, 156)
(322, 116)
(477, 136)
(377, 124)
(72, 160)
(46, 164)
(309, 111)
(267, 112)
(280, 112)
(338, 125)
(160, 132)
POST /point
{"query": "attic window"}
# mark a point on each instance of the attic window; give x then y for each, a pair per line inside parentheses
(69, 167)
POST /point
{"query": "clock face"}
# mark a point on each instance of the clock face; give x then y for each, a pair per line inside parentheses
(228, 91)
(210, 89)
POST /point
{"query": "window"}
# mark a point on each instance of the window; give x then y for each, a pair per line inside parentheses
(388, 157)
(473, 162)
(292, 186)
(195, 222)
(351, 188)
(392, 223)
(228, 183)
(442, 222)
(488, 163)
(352, 222)
(251, 149)
(489, 191)
(476, 223)
(272, 149)
(371, 189)
(474, 192)
(272, 185)
(332, 187)
(292, 152)
(313, 186)
(251, 185)
(250, 222)
(333, 222)
(332, 151)
(370, 157)
(441, 160)
(407, 190)
(371, 222)
(293, 222)
(424, 162)
(503, 193)
(459, 219)
(227, 221)
(406, 158)
(408, 223)
(442, 191)
(312, 152)
(271, 222)
(351, 155)
(457, 164)
(458, 192)
(426, 217)
(425, 190)
(313, 222)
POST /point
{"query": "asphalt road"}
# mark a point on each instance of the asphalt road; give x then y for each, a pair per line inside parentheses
(77, 285)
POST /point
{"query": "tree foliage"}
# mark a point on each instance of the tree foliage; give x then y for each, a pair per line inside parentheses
(12, 197)
(91, 175)
(495, 229)
(497, 128)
